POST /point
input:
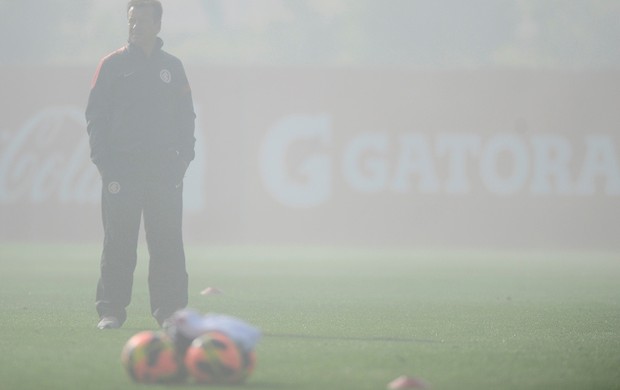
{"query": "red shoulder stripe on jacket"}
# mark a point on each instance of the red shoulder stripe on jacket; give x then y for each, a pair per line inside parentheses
(104, 59)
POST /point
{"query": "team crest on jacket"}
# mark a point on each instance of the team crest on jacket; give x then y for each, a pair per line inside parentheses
(165, 76)
(114, 187)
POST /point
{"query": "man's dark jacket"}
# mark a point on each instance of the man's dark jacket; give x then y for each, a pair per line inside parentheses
(140, 108)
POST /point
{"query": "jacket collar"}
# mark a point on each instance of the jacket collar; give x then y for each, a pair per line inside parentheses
(135, 50)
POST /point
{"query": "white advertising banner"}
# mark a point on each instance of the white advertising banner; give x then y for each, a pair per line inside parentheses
(316, 156)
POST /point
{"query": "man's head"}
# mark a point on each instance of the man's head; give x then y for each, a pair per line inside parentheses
(144, 17)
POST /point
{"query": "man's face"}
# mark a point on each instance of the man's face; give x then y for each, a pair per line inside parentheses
(143, 28)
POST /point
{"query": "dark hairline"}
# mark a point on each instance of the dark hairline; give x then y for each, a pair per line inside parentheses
(155, 5)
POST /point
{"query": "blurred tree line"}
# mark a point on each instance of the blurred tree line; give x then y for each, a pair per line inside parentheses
(571, 34)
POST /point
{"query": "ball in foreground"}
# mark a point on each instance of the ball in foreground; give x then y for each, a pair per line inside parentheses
(248, 362)
(149, 357)
(214, 358)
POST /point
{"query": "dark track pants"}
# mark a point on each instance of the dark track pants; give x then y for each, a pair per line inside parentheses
(125, 201)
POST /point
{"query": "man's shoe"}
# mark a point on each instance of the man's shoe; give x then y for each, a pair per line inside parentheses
(166, 324)
(109, 323)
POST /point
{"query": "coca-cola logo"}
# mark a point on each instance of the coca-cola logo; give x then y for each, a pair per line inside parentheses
(47, 160)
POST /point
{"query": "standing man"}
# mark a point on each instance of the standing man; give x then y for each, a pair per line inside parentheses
(140, 121)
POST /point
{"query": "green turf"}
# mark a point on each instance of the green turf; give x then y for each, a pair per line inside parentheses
(335, 319)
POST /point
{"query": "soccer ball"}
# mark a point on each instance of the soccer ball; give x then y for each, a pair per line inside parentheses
(150, 357)
(214, 358)
(248, 363)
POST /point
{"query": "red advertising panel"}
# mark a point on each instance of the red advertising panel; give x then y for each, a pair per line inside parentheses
(342, 157)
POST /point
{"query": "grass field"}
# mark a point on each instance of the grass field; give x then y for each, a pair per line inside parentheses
(334, 318)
